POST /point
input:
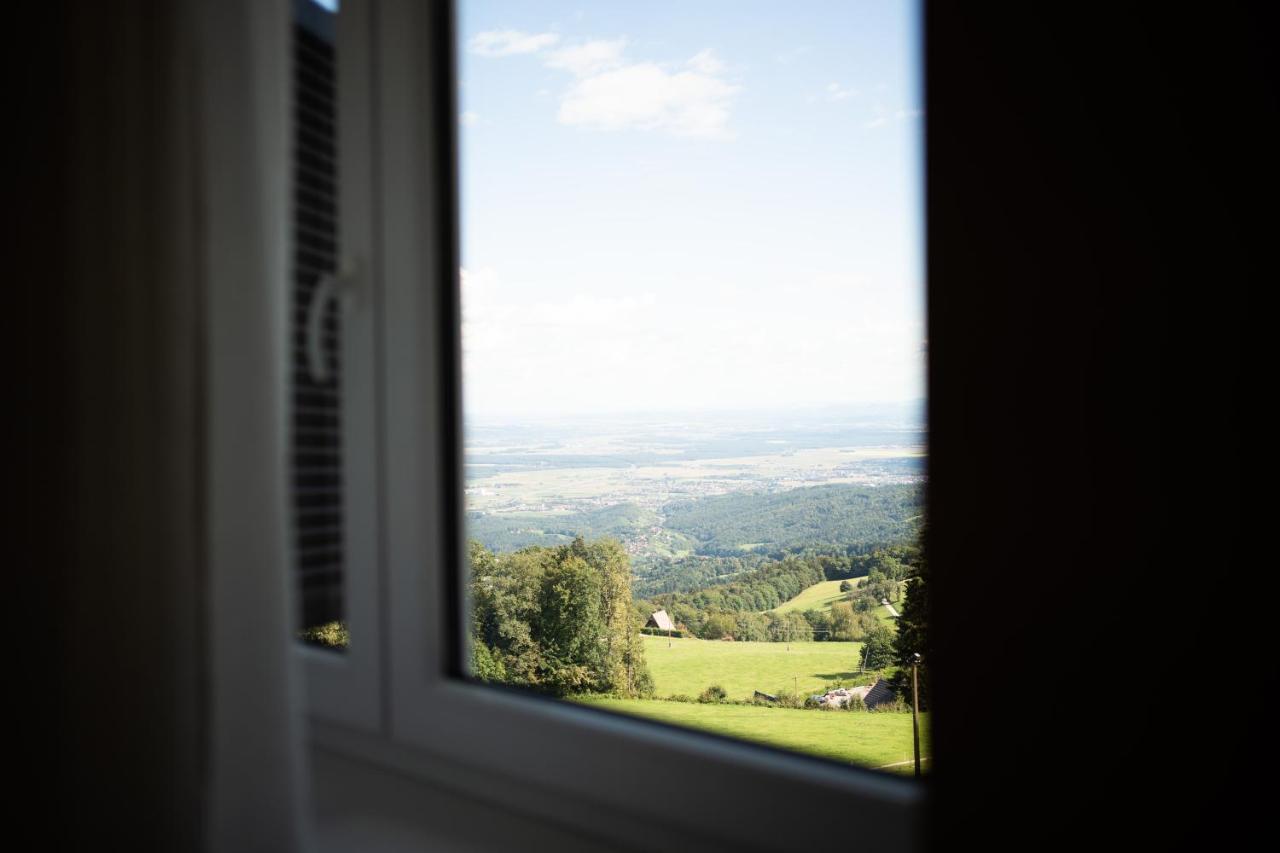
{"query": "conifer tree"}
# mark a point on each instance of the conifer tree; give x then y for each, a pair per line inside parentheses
(913, 629)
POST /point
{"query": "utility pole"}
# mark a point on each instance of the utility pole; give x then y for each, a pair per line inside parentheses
(915, 707)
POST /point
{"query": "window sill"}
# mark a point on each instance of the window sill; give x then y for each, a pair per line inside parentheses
(616, 778)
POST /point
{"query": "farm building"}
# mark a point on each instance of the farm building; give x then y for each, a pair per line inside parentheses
(870, 694)
(660, 620)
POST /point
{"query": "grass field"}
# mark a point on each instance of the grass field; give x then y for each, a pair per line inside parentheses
(866, 739)
(820, 596)
(689, 666)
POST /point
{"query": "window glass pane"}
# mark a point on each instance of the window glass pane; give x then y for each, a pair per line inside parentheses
(693, 364)
(316, 376)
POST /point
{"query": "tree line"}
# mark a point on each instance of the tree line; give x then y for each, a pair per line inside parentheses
(742, 608)
(659, 575)
(757, 590)
(836, 518)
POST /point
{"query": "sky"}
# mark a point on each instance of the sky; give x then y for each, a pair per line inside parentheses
(690, 205)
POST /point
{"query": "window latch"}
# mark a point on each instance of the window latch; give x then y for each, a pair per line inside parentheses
(336, 287)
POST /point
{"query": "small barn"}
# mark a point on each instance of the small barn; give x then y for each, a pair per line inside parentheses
(871, 695)
(660, 620)
(878, 694)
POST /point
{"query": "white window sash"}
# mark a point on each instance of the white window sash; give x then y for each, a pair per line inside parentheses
(601, 772)
(347, 687)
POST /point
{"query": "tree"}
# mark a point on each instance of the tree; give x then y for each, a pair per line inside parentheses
(789, 628)
(569, 626)
(485, 665)
(718, 625)
(913, 630)
(878, 648)
(557, 619)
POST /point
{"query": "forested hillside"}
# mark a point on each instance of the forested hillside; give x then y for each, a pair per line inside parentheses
(843, 517)
(761, 589)
(682, 574)
(510, 531)
(745, 608)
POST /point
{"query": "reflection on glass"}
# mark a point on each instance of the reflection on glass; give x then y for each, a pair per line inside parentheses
(693, 333)
(316, 372)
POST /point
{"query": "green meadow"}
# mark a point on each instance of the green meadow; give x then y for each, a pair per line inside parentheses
(820, 596)
(690, 665)
(868, 739)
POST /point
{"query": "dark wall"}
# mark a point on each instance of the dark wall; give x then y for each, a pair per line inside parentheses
(106, 624)
(1089, 261)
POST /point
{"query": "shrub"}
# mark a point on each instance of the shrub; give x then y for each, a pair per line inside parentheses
(644, 686)
(332, 634)
(855, 704)
(485, 665)
(845, 586)
(790, 699)
(680, 697)
(893, 706)
(659, 632)
(714, 693)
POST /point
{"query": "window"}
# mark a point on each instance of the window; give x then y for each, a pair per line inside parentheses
(402, 700)
(693, 336)
(333, 377)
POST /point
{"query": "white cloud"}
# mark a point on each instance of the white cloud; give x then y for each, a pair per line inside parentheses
(588, 58)
(610, 94)
(706, 62)
(835, 92)
(510, 42)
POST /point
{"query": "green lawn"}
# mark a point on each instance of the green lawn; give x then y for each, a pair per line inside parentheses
(689, 666)
(820, 596)
(867, 739)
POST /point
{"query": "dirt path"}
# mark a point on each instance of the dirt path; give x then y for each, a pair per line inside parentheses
(923, 759)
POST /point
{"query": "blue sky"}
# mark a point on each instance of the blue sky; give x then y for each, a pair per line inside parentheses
(690, 205)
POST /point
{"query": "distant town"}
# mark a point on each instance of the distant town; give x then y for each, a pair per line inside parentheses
(520, 472)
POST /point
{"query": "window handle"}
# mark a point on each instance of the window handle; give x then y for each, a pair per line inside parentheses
(337, 287)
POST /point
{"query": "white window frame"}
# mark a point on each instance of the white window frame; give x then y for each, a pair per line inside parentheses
(609, 774)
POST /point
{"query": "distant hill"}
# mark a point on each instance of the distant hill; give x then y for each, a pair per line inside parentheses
(503, 532)
(844, 517)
